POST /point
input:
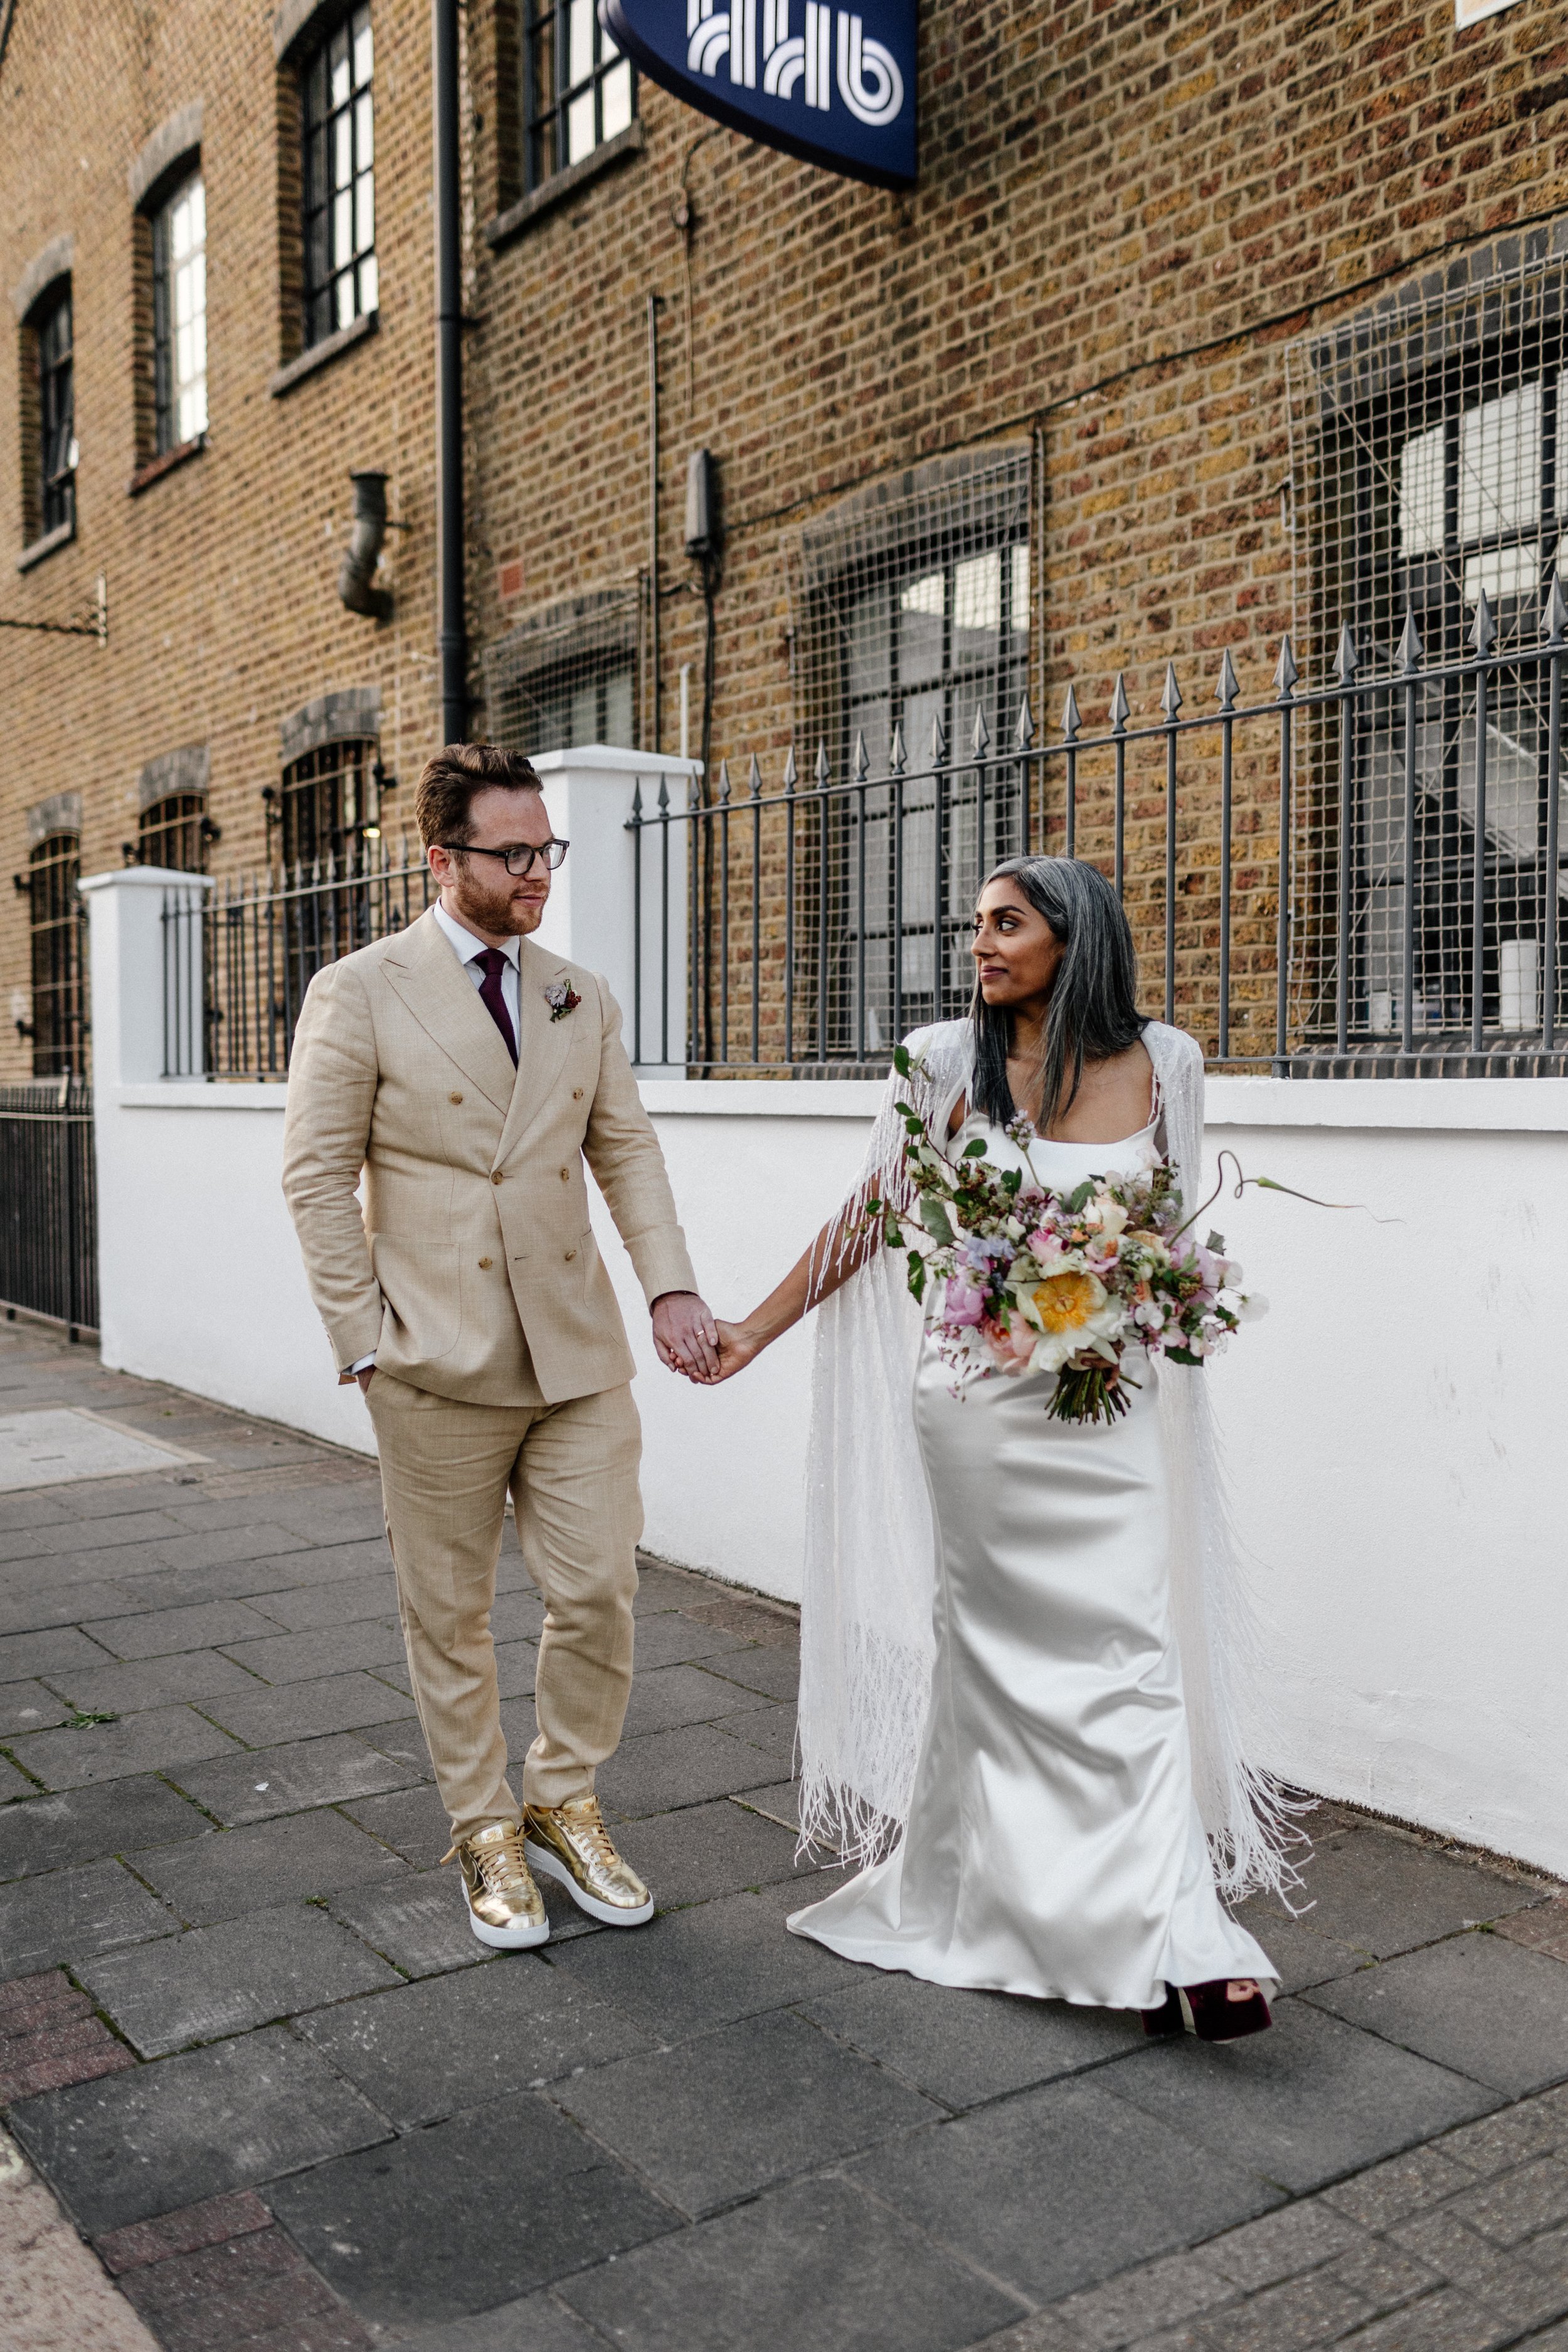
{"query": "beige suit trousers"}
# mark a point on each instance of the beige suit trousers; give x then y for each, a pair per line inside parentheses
(572, 1472)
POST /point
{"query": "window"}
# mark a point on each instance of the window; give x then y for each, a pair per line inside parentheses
(174, 832)
(339, 181)
(569, 675)
(1439, 478)
(56, 455)
(180, 317)
(327, 803)
(579, 88)
(916, 604)
(56, 919)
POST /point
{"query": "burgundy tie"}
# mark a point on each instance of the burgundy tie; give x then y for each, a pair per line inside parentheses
(493, 964)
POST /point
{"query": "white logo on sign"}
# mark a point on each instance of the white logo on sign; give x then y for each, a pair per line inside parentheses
(870, 82)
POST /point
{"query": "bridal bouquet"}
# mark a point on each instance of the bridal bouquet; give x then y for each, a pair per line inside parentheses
(1023, 1279)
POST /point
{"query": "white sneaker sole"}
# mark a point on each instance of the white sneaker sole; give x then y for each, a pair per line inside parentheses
(509, 1939)
(608, 1915)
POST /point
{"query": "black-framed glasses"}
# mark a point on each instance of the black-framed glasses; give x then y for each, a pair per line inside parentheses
(519, 860)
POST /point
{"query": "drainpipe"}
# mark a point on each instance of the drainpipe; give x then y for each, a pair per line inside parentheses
(451, 619)
(357, 570)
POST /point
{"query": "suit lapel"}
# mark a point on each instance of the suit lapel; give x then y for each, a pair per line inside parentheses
(438, 992)
(543, 1044)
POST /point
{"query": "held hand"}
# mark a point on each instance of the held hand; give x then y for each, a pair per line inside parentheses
(738, 1345)
(364, 1378)
(685, 1336)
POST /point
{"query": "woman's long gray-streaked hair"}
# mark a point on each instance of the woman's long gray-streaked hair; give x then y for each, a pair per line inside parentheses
(1093, 1011)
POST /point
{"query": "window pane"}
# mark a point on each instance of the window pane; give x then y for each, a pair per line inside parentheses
(346, 313)
(580, 21)
(580, 127)
(617, 99)
(364, 60)
(342, 226)
(919, 629)
(1500, 464)
(368, 283)
(365, 215)
(1421, 492)
(342, 83)
(1020, 588)
(343, 151)
(365, 132)
(976, 607)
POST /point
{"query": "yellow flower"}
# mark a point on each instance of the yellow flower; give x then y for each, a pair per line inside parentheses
(1065, 1302)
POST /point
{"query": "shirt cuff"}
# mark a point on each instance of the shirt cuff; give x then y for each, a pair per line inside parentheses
(365, 1364)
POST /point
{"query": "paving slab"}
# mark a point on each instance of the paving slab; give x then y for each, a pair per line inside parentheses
(965, 2047)
(705, 1850)
(48, 1653)
(216, 1982)
(42, 1598)
(1063, 2185)
(85, 1824)
(323, 1650)
(774, 1673)
(468, 2214)
(684, 1767)
(12, 1783)
(266, 1718)
(813, 2267)
(257, 2291)
(251, 1869)
(261, 1782)
(404, 1742)
(71, 1913)
(461, 2040)
(150, 1742)
(303, 1608)
(1299, 1952)
(535, 2322)
(517, 1616)
(663, 1697)
(1486, 2006)
(668, 1639)
(705, 1967)
(188, 1677)
(1385, 1894)
(720, 2118)
(771, 1727)
(253, 1580)
(28, 1707)
(412, 1820)
(156, 2137)
(1303, 2104)
(419, 1923)
(155, 1631)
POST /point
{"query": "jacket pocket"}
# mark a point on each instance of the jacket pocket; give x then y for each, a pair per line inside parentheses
(421, 1293)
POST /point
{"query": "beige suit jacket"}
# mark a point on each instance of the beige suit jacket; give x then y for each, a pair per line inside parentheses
(472, 1271)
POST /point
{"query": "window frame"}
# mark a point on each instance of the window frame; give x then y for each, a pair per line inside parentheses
(322, 271)
(166, 390)
(57, 959)
(173, 832)
(55, 392)
(546, 117)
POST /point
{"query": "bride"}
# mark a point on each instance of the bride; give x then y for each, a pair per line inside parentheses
(1048, 1747)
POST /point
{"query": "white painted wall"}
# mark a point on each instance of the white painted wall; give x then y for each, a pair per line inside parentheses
(1394, 1426)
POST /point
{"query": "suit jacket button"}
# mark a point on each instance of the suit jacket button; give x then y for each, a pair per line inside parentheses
(454, 1097)
(569, 1255)
(496, 1177)
(576, 1093)
(484, 1265)
(566, 1175)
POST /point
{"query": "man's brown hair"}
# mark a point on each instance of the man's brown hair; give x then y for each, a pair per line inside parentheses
(451, 776)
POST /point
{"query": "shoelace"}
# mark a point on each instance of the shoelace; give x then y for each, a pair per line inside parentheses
(502, 1867)
(589, 1826)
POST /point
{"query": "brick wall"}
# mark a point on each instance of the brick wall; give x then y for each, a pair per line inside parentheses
(1125, 214)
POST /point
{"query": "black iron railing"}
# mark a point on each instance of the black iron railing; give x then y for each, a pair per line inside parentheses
(48, 1202)
(1350, 877)
(239, 958)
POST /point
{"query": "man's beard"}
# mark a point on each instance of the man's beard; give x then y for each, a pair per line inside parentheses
(491, 909)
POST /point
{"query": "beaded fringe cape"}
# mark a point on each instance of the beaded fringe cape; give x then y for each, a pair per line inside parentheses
(866, 1642)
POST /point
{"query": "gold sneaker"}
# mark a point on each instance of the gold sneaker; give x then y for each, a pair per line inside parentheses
(571, 1842)
(505, 1907)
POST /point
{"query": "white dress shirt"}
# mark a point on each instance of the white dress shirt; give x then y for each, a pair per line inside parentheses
(468, 950)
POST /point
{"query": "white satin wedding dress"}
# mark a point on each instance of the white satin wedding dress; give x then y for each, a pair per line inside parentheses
(1053, 1844)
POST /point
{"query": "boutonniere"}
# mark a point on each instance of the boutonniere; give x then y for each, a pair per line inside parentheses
(562, 999)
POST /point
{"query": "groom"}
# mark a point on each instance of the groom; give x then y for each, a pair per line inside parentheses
(468, 1075)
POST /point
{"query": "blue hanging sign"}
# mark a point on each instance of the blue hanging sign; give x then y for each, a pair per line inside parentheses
(836, 88)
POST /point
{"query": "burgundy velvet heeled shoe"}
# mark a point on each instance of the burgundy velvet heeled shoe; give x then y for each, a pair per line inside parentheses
(1216, 2017)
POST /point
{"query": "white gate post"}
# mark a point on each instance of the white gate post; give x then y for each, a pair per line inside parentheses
(146, 974)
(593, 915)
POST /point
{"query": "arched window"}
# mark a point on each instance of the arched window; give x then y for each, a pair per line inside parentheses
(55, 920)
(54, 458)
(327, 802)
(174, 832)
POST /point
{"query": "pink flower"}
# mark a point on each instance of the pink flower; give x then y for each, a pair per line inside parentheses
(1011, 1347)
(963, 1304)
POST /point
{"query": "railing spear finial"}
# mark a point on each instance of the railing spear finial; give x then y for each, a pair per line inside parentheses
(723, 782)
(897, 757)
(862, 758)
(1170, 693)
(1071, 722)
(636, 805)
(1409, 642)
(1024, 733)
(755, 781)
(1285, 670)
(938, 741)
(1555, 620)
(791, 773)
(1120, 709)
(1347, 660)
(1229, 684)
(1482, 632)
(822, 769)
(980, 734)
(664, 796)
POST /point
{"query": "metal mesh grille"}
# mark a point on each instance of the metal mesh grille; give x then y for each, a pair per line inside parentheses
(1430, 498)
(913, 614)
(571, 675)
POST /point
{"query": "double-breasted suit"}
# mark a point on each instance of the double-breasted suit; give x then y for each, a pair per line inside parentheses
(472, 1276)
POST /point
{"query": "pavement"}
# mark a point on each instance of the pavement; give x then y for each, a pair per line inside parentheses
(266, 2094)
